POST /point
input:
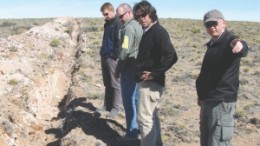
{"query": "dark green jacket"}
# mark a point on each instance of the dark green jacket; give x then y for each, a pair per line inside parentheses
(131, 36)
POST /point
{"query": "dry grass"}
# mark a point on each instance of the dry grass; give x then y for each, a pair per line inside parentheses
(180, 113)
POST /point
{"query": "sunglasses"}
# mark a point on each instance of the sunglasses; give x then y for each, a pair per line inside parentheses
(105, 14)
(211, 24)
(140, 16)
(121, 16)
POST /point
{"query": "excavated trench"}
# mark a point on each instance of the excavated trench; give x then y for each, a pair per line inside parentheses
(50, 89)
(81, 125)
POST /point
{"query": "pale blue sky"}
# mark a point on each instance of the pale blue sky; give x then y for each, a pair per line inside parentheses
(240, 10)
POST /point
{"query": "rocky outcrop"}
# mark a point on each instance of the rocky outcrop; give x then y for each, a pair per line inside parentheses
(48, 78)
(35, 73)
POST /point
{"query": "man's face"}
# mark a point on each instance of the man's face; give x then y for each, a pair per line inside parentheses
(108, 15)
(215, 28)
(122, 15)
(143, 18)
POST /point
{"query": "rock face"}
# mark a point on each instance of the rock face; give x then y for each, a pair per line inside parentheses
(35, 73)
(49, 86)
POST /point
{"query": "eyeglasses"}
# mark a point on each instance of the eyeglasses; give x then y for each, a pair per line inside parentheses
(211, 24)
(105, 14)
(140, 16)
(121, 16)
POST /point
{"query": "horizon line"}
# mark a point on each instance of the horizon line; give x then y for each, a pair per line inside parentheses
(53, 17)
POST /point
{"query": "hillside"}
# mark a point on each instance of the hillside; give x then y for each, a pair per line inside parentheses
(51, 84)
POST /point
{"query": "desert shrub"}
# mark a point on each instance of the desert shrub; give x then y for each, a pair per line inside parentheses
(177, 106)
(36, 23)
(13, 49)
(246, 70)
(239, 114)
(255, 121)
(185, 77)
(257, 73)
(7, 24)
(243, 82)
(91, 29)
(96, 43)
(87, 79)
(68, 31)
(26, 27)
(247, 62)
(5, 56)
(195, 30)
(69, 26)
(20, 29)
(55, 43)
(13, 82)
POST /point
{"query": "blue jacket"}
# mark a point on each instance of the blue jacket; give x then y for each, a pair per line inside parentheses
(111, 39)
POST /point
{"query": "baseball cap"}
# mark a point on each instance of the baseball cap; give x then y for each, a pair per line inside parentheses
(213, 15)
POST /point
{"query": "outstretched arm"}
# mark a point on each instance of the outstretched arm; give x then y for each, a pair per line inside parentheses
(239, 47)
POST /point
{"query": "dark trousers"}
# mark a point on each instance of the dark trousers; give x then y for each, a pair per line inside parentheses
(112, 85)
(216, 123)
(130, 98)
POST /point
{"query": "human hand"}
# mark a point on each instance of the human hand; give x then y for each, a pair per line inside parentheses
(237, 46)
(117, 75)
(146, 75)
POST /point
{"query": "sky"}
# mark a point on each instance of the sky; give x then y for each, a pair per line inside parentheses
(234, 10)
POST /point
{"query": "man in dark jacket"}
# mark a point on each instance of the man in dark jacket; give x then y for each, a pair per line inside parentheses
(218, 82)
(109, 53)
(156, 55)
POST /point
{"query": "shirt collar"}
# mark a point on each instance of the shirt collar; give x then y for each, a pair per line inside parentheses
(147, 28)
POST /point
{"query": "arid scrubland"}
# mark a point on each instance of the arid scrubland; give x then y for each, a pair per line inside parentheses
(75, 122)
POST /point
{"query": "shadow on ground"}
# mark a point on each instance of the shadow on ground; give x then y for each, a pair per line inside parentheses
(90, 122)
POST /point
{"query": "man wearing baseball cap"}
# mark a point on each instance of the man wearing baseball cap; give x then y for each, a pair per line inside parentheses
(218, 82)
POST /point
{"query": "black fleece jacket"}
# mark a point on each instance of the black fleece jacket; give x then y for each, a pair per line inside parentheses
(219, 76)
(156, 54)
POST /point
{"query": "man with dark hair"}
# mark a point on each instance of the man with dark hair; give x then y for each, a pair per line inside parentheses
(156, 55)
(109, 54)
(218, 82)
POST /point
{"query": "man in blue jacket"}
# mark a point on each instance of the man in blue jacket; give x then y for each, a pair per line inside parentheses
(109, 53)
(218, 82)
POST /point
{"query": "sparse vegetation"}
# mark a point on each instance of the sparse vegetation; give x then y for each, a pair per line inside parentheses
(179, 113)
(246, 70)
(257, 73)
(69, 29)
(239, 114)
(7, 24)
(195, 30)
(13, 82)
(55, 43)
(179, 93)
(13, 49)
(15, 26)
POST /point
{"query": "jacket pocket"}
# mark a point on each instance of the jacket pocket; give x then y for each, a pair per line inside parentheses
(154, 96)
